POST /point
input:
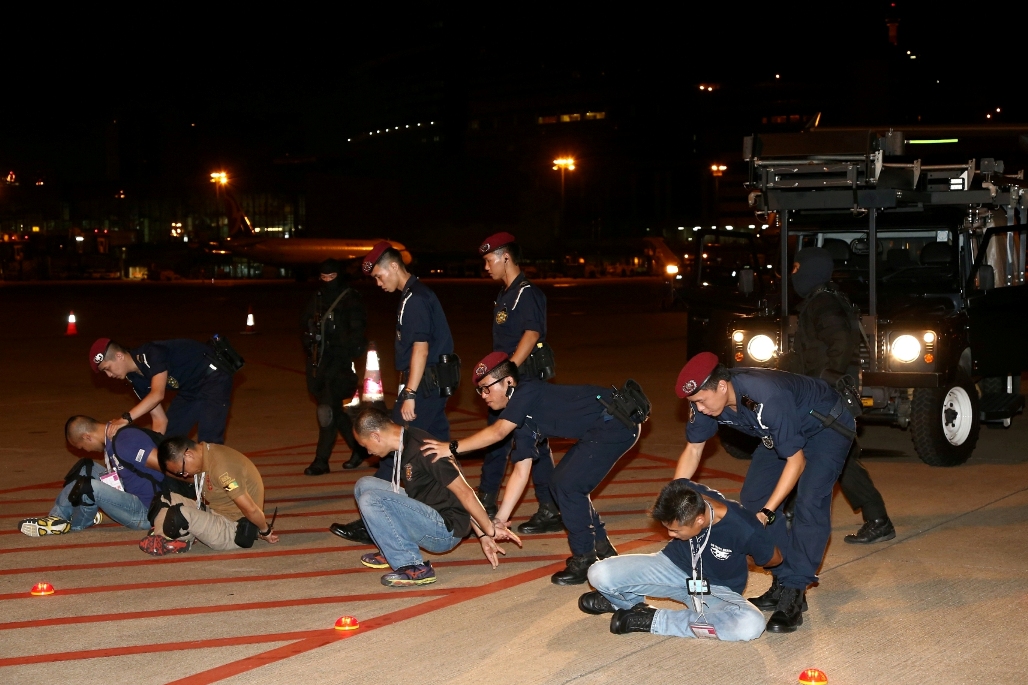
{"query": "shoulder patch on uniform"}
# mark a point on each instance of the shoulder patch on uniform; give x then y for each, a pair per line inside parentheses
(139, 455)
(228, 482)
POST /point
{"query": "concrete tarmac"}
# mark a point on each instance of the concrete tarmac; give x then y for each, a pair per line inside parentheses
(943, 603)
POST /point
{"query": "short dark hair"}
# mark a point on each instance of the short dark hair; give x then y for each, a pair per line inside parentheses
(678, 503)
(173, 449)
(77, 426)
(720, 373)
(115, 347)
(511, 249)
(390, 255)
(371, 420)
(504, 369)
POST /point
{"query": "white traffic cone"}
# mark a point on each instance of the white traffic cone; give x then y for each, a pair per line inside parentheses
(372, 391)
(251, 328)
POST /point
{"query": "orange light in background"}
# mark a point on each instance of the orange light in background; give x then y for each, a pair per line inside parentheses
(564, 163)
(718, 169)
(738, 356)
(219, 177)
(347, 623)
(41, 589)
(929, 358)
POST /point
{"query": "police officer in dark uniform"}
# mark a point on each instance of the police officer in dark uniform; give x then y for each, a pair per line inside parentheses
(827, 339)
(204, 388)
(428, 368)
(806, 432)
(519, 330)
(537, 410)
(333, 326)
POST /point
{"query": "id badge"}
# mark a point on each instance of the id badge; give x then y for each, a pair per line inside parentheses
(704, 631)
(113, 479)
(698, 586)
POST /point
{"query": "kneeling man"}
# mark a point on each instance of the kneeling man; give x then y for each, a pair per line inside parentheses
(227, 485)
(434, 510)
(704, 567)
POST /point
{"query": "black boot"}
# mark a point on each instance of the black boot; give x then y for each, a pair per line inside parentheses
(488, 500)
(577, 571)
(876, 530)
(789, 614)
(546, 520)
(316, 469)
(353, 531)
(638, 619)
(604, 549)
(769, 600)
(358, 457)
(595, 603)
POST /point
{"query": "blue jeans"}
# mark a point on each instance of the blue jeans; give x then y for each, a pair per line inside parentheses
(122, 507)
(494, 465)
(628, 579)
(400, 525)
(804, 545)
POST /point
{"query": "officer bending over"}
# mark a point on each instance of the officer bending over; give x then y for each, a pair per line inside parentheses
(806, 433)
(434, 510)
(333, 331)
(123, 488)
(540, 410)
(704, 567)
(204, 390)
(227, 485)
(827, 339)
(428, 369)
(519, 330)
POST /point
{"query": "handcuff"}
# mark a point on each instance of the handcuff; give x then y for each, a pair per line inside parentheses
(271, 525)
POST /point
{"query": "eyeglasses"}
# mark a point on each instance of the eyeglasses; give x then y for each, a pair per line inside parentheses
(182, 473)
(484, 389)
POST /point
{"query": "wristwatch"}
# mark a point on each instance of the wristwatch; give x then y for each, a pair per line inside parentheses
(453, 447)
(770, 516)
(127, 417)
(409, 394)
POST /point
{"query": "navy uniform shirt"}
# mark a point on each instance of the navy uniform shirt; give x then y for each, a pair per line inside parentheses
(128, 452)
(783, 403)
(519, 308)
(420, 318)
(736, 535)
(559, 411)
(185, 361)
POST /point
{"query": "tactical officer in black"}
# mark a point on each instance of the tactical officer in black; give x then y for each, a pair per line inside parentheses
(827, 339)
(333, 333)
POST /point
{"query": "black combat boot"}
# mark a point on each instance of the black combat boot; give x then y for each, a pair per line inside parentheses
(595, 603)
(769, 600)
(353, 531)
(316, 469)
(789, 614)
(355, 460)
(546, 520)
(604, 549)
(876, 530)
(638, 619)
(488, 500)
(577, 571)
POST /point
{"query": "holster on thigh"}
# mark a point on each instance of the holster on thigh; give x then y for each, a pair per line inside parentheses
(246, 533)
(168, 518)
(83, 467)
(325, 416)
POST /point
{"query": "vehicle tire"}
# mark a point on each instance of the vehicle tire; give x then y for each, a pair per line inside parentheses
(739, 445)
(944, 423)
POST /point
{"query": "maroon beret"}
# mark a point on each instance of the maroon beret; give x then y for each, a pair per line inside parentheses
(97, 353)
(488, 363)
(695, 373)
(495, 242)
(369, 259)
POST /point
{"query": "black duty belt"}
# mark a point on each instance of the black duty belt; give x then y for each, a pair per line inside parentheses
(831, 421)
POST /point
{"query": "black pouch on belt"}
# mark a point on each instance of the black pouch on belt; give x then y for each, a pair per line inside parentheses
(629, 405)
(540, 364)
(224, 355)
(447, 373)
(847, 389)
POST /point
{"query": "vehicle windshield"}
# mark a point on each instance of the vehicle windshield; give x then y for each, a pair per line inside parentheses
(925, 259)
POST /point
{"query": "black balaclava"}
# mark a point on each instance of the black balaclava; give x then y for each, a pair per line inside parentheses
(330, 266)
(815, 269)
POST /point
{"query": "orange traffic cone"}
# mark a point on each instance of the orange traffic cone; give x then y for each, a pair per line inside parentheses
(251, 328)
(72, 328)
(372, 378)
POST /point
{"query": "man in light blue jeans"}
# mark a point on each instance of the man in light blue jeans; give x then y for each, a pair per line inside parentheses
(434, 511)
(704, 567)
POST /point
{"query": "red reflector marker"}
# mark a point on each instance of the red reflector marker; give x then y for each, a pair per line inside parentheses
(41, 589)
(347, 623)
(813, 676)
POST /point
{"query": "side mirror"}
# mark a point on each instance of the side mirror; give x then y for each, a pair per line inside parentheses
(746, 281)
(986, 277)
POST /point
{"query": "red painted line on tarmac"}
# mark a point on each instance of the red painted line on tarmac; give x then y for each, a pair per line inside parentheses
(39, 486)
(28, 501)
(314, 642)
(712, 473)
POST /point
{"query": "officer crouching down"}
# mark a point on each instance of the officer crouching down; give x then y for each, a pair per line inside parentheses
(806, 433)
(227, 485)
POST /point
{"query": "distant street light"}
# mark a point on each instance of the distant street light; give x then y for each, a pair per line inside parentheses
(219, 177)
(563, 164)
(717, 170)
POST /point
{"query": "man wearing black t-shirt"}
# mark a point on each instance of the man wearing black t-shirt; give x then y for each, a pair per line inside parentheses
(204, 390)
(533, 411)
(434, 510)
(704, 567)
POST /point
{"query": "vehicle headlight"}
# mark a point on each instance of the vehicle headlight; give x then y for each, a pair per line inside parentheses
(671, 269)
(738, 336)
(906, 348)
(760, 348)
